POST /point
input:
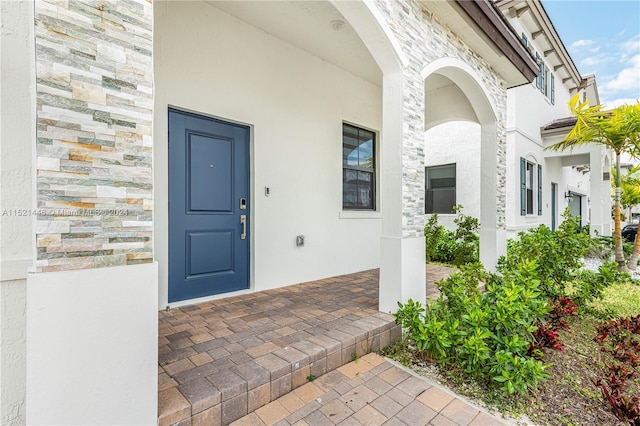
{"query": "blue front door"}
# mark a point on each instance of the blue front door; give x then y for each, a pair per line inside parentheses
(208, 206)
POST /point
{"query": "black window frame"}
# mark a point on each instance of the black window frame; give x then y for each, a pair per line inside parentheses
(371, 171)
(428, 190)
(529, 187)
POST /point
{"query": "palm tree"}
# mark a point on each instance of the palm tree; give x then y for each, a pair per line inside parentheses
(630, 184)
(619, 130)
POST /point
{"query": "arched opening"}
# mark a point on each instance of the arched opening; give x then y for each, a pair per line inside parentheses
(293, 73)
(460, 118)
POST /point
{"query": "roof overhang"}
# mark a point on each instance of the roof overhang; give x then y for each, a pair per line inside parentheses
(561, 126)
(482, 27)
(550, 43)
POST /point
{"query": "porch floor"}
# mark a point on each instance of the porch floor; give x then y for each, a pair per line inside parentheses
(221, 360)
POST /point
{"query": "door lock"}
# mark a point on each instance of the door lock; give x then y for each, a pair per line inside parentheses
(243, 203)
(243, 222)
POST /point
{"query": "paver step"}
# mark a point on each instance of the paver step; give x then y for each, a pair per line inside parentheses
(221, 360)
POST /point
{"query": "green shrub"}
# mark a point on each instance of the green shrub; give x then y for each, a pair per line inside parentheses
(445, 247)
(432, 234)
(589, 285)
(466, 235)
(488, 334)
(495, 336)
(602, 247)
(557, 254)
(458, 247)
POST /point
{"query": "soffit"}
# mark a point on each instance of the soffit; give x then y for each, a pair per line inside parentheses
(533, 17)
(307, 25)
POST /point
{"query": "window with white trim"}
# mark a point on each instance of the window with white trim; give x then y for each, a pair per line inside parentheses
(358, 168)
(530, 188)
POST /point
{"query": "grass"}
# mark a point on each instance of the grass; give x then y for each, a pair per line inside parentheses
(623, 298)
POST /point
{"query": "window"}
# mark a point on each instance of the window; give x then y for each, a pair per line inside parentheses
(530, 188)
(440, 189)
(529, 180)
(545, 81)
(358, 168)
(525, 41)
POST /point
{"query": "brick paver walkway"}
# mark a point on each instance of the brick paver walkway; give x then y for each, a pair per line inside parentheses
(220, 360)
(369, 391)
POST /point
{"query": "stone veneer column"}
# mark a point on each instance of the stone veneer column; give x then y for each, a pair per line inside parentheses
(94, 148)
(402, 250)
(92, 321)
(424, 40)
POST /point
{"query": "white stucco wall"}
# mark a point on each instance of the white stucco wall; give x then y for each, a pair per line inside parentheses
(457, 142)
(527, 111)
(17, 136)
(209, 62)
(93, 361)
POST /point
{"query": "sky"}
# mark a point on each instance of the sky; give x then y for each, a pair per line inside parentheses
(603, 38)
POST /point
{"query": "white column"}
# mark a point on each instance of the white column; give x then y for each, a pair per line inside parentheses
(600, 194)
(92, 346)
(17, 140)
(493, 241)
(402, 258)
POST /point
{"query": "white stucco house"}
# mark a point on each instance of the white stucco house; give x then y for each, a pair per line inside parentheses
(539, 183)
(148, 160)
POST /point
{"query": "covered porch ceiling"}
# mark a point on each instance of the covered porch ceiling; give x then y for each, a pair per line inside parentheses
(313, 26)
(578, 157)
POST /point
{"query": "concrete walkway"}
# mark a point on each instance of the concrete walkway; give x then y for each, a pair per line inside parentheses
(370, 391)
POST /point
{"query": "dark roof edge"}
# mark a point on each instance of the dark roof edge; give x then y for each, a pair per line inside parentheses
(560, 125)
(490, 20)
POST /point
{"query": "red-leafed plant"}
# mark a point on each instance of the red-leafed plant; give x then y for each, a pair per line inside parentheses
(546, 336)
(621, 338)
(563, 307)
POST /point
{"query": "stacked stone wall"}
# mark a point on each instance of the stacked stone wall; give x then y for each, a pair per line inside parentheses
(425, 39)
(94, 120)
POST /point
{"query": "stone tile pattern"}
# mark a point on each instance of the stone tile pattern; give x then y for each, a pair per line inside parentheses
(424, 39)
(94, 146)
(369, 391)
(221, 360)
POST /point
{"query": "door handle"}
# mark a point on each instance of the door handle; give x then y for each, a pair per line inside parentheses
(243, 222)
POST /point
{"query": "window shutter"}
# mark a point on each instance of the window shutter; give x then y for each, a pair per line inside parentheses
(539, 190)
(523, 187)
(553, 90)
(538, 78)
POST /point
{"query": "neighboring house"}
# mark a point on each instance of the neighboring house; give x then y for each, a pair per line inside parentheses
(540, 183)
(164, 153)
(631, 215)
